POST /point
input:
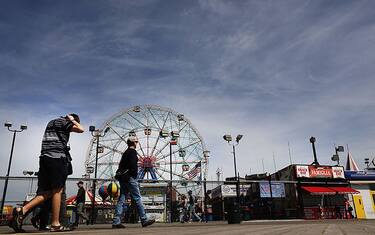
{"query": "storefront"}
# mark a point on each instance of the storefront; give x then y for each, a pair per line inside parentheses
(364, 201)
(321, 192)
(225, 195)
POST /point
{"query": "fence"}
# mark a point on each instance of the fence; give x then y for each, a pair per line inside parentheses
(257, 199)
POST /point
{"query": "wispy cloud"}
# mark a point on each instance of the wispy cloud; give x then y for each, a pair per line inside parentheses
(273, 71)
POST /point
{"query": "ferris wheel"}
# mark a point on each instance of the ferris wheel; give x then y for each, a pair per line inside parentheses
(163, 134)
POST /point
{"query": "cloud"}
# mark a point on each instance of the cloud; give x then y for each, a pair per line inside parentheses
(275, 72)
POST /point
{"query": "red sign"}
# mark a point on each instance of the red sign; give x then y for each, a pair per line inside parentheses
(305, 171)
(320, 172)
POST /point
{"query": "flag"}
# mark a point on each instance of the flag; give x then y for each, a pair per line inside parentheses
(194, 172)
(351, 165)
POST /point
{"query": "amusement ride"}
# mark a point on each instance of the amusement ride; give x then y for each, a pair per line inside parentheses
(170, 147)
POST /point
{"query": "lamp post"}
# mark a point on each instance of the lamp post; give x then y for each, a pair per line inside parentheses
(336, 156)
(8, 125)
(312, 141)
(95, 133)
(228, 138)
(206, 155)
(173, 141)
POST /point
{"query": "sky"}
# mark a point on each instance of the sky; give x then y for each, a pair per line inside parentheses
(274, 71)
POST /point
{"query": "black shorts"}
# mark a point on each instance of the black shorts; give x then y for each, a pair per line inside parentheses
(52, 173)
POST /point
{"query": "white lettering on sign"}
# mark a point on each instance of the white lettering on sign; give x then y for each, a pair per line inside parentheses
(302, 171)
(338, 172)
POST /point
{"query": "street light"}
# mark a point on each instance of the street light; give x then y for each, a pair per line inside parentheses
(312, 141)
(206, 154)
(336, 156)
(96, 133)
(173, 141)
(8, 125)
(228, 138)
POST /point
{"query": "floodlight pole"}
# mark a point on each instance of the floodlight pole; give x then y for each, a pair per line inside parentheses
(97, 135)
(205, 155)
(234, 160)
(312, 141)
(9, 165)
(228, 138)
(170, 183)
(337, 150)
(236, 178)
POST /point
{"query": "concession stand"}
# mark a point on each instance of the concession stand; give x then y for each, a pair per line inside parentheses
(322, 192)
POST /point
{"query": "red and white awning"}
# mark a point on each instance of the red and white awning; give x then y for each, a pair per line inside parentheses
(319, 190)
(344, 190)
(316, 190)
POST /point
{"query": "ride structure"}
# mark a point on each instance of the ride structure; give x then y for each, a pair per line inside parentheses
(163, 134)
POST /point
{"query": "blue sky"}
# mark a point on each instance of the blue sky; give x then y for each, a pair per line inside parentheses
(274, 71)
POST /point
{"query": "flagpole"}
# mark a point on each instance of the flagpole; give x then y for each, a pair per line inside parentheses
(290, 155)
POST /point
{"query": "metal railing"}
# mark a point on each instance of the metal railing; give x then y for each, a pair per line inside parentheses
(258, 199)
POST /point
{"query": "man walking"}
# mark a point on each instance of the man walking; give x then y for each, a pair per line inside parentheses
(54, 167)
(191, 207)
(80, 202)
(129, 185)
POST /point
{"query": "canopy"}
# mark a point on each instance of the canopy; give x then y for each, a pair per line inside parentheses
(316, 190)
(344, 190)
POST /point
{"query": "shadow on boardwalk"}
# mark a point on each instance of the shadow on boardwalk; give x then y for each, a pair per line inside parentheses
(293, 227)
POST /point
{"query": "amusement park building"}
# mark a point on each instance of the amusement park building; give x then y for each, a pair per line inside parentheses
(296, 191)
(364, 183)
(315, 191)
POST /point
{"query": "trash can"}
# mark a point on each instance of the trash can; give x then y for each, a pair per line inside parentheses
(234, 215)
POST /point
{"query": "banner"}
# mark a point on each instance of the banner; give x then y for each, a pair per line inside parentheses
(335, 172)
(230, 190)
(360, 175)
(278, 189)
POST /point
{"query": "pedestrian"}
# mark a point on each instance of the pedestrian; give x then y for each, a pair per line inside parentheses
(337, 212)
(80, 204)
(127, 176)
(321, 211)
(54, 167)
(350, 211)
(182, 205)
(41, 217)
(191, 207)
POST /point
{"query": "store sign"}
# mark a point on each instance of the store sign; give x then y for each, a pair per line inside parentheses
(230, 190)
(360, 175)
(335, 172)
(338, 172)
(320, 172)
(302, 171)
